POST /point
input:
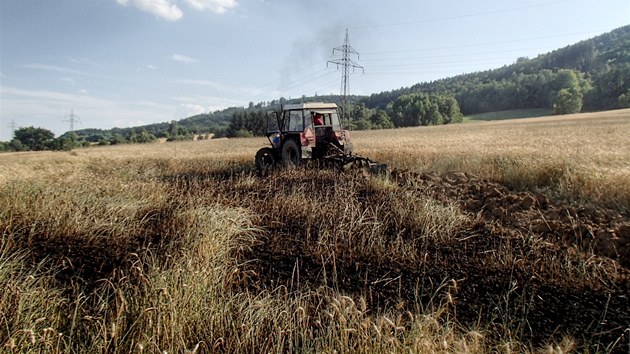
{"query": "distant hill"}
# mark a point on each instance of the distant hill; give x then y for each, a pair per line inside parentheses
(197, 124)
(601, 65)
(598, 69)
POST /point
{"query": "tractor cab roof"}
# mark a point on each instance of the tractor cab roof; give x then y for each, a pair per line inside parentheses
(312, 106)
(324, 111)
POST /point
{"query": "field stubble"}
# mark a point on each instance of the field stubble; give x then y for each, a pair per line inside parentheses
(501, 236)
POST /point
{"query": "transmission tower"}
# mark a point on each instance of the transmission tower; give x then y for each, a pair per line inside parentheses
(71, 118)
(345, 63)
(12, 126)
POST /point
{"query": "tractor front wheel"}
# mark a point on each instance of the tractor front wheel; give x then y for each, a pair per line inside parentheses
(265, 160)
(291, 155)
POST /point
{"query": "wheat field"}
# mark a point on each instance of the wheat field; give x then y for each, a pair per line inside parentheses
(182, 247)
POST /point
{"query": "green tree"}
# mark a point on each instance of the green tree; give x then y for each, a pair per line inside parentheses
(566, 91)
(16, 145)
(410, 110)
(565, 78)
(117, 139)
(237, 123)
(63, 143)
(35, 139)
(173, 128)
(359, 112)
(132, 135)
(423, 109)
(568, 101)
(449, 109)
(380, 120)
(624, 99)
(144, 137)
(241, 133)
(362, 124)
(253, 122)
(433, 115)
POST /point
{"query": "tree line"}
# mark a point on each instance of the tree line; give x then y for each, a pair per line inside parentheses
(406, 111)
(41, 139)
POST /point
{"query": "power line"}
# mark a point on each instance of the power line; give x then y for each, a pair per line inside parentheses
(72, 118)
(345, 63)
(447, 18)
(510, 41)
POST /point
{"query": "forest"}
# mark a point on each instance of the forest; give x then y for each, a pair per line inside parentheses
(595, 72)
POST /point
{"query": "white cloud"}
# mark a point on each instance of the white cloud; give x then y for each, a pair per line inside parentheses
(216, 6)
(54, 68)
(167, 10)
(151, 67)
(184, 59)
(161, 8)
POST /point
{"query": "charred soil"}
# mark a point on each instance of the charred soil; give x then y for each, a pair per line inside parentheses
(513, 264)
(519, 264)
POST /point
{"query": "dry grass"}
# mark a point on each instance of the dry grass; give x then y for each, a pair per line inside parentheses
(582, 156)
(163, 247)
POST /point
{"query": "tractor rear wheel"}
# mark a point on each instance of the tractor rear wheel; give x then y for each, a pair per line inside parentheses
(265, 160)
(291, 155)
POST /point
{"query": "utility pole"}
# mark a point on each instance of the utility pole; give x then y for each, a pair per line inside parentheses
(345, 62)
(71, 118)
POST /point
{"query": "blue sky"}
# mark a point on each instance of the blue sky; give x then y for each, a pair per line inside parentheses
(120, 63)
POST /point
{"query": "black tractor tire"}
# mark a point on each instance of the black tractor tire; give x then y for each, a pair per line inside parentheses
(291, 154)
(265, 160)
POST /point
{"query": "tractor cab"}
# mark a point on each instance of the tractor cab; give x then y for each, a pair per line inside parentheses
(325, 122)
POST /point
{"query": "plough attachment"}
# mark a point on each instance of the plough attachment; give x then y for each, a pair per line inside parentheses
(348, 161)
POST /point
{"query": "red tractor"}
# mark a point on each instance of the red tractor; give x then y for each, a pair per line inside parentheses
(309, 131)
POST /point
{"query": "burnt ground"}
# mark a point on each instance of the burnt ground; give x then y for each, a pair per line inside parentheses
(524, 265)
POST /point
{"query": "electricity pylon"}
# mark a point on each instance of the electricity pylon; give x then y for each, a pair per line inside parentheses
(12, 126)
(72, 118)
(345, 63)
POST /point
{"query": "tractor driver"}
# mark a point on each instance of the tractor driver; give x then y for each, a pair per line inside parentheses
(318, 120)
